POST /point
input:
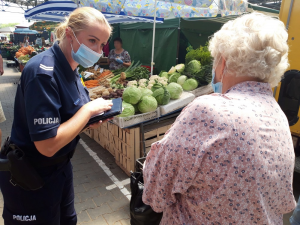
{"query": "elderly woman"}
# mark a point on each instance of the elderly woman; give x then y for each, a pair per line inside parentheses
(229, 157)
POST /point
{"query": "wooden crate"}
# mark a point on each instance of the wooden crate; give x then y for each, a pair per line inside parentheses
(154, 133)
(105, 137)
(154, 136)
(127, 148)
(90, 133)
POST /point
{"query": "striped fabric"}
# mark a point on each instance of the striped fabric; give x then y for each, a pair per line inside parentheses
(56, 11)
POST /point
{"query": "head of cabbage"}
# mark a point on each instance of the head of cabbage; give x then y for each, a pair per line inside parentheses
(128, 110)
(132, 95)
(190, 84)
(175, 90)
(164, 74)
(146, 91)
(162, 96)
(193, 67)
(174, 77)
(181, 80)
(147, 104)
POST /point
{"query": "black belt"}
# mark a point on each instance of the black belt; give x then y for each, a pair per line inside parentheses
(23, 169)
(44, 163)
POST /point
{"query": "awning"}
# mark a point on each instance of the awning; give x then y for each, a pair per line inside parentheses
(7, 30)
(57, 11)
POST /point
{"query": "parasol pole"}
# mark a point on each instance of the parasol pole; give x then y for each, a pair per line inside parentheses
(153, 39)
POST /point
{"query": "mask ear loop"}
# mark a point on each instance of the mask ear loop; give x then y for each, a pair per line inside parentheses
(75, 36)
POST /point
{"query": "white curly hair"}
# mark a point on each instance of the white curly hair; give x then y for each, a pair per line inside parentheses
(253, 45)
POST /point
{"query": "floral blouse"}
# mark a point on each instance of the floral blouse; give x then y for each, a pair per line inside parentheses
(227, 159)
(124, 56)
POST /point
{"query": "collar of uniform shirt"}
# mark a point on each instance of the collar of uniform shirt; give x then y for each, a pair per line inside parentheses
(64, 64)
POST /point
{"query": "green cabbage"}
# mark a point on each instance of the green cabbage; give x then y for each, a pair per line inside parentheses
(128, 110)
(165, 74)
(174, 77)
(180, 68)
(147, 104)
(193, 67)
(162, 96)
(181, 80)
(175, 90)
(190, 84)
(146, 91)
(132, 95)
(156, 86)
(136, 108)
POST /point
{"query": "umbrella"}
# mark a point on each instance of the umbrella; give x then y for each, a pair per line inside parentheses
(57, 11)
(7, 30)
(164, 9)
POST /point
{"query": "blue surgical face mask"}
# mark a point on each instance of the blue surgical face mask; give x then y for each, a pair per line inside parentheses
(85, 56)
(217, 87)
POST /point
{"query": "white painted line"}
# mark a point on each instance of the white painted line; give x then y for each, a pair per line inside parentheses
(118, 184)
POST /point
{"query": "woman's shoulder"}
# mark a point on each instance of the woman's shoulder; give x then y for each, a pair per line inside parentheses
(42, 63)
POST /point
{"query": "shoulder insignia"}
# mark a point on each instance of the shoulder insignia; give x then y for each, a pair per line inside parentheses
(46, 65)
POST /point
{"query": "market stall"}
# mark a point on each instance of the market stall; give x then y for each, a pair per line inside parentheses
(151, 104)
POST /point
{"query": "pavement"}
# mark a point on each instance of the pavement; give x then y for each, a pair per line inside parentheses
(101, 187)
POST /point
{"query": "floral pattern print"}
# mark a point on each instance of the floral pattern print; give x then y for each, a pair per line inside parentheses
(164, 8)
(114, 65)
(227, 159)
(108, 6)
(233, 7)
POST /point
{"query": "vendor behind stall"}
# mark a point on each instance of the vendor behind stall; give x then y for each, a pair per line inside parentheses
(118, 57)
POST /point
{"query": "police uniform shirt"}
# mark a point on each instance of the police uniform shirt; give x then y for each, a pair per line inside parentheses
(49, 94)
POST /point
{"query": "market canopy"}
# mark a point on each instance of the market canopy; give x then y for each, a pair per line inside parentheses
(57, 11)
(165, 8)
(7, 30)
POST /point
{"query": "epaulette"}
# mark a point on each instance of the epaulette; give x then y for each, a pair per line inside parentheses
(46, 66)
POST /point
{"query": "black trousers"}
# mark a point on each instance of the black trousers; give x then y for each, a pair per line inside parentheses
(51, 205)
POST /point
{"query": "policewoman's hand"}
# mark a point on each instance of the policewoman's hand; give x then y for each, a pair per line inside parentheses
(98, 106)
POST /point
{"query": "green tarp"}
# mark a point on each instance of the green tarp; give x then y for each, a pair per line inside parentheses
(137, 40)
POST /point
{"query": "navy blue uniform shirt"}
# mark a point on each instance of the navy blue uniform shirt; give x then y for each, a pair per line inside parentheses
(49, 94)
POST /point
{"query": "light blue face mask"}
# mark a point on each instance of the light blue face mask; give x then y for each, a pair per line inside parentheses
(217, 87)
(85, 56)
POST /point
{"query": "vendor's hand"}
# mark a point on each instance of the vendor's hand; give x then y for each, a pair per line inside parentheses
(1, 71)
(119, 61)
(98, 106)
(96, 125)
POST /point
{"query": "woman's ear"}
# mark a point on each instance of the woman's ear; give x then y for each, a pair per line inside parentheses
(69, 35)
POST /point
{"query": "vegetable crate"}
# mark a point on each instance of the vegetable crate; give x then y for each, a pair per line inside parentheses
(127, 147)
(155, 132)
(105, 137)
(89, 132)
(136, 119)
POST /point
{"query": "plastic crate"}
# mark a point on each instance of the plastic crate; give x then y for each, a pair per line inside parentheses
(180, 103)
(136, 119)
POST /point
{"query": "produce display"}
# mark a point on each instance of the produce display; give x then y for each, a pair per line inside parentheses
(142, 93)
(25, 51)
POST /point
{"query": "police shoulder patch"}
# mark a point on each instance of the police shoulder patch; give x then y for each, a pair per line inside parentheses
(46, 65)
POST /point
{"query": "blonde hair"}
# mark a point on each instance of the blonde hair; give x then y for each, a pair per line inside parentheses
(253, 45)
(79, 19)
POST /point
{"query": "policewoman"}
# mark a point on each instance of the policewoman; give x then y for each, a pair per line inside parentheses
(51, 108)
